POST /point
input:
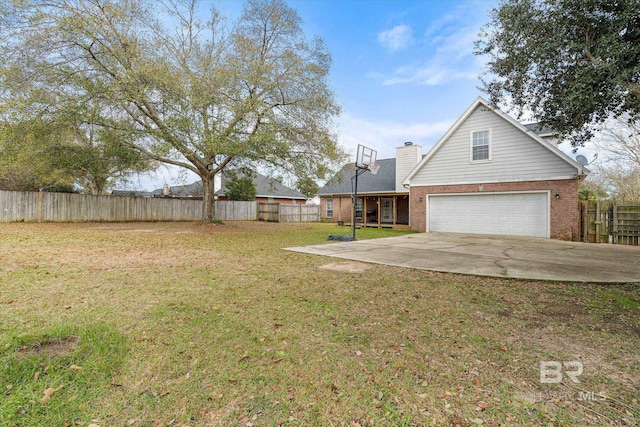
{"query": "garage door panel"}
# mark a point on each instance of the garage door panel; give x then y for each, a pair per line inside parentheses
(519, 214)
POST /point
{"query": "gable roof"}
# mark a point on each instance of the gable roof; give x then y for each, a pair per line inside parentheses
(265, 187)
(382, 182)
(483, 102)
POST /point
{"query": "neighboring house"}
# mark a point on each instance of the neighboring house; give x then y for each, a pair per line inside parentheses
(489, 174)
(268, 190)
(545, 133)
(382, 199)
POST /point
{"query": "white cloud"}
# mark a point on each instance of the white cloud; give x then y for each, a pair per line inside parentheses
(453, 59)
(449, 20)
(386, 136)
(449, 43)
(429, 75)
(459, 43)
(396, 39)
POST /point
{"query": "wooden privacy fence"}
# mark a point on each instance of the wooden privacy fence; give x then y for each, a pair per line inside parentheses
(299, 213)
(268, 212)
(606, 222)
(17, 206)
(274, 212)
(229, 210)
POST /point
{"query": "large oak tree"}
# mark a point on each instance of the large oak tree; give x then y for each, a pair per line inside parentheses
(183, 85)
(571, 63)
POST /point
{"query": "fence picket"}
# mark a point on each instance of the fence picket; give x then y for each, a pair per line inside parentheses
(627, 225)
(605, 222)
(17, 206)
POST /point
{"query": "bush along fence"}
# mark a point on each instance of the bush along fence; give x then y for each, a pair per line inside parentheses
(607, 222)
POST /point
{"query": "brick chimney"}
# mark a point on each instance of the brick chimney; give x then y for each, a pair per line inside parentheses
(407, 157)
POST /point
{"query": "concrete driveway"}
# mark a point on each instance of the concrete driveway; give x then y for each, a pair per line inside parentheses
(497, 256)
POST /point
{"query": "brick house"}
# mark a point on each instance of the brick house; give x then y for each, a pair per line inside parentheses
(488, 174)
(383, 201)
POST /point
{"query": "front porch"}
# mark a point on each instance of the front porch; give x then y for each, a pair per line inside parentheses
(382, 211)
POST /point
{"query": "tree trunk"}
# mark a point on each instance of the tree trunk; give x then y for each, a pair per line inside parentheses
(208, 212)
(99, 185)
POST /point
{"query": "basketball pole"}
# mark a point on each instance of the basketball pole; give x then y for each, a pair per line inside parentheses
(359, 171)
(354, 201)
(365, 161)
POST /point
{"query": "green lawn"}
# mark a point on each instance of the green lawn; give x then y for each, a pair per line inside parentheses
(179, 324)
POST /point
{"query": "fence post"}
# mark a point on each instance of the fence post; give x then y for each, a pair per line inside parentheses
(598, 222)
(585, 220)
(40, 197)
(615, 224)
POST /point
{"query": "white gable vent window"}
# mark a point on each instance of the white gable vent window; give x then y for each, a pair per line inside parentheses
(481, 146)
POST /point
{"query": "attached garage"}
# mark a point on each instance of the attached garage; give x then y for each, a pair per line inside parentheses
(489, 174)
(514, 214)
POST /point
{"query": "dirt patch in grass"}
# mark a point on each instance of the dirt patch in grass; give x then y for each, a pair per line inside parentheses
(50, 347)
(352, 267)
(57, 376)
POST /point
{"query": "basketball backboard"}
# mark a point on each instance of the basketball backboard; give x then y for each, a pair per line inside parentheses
(365, 156)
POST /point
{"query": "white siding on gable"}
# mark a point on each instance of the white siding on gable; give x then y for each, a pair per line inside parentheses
(514, 156)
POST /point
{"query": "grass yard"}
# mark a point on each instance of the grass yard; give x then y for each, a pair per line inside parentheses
(177, 324)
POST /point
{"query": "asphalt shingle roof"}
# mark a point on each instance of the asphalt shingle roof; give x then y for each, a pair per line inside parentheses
(539, 129)
(383, 181)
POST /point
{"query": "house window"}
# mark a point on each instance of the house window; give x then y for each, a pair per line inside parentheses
(358, 208)
(330, 208)
(480, 146)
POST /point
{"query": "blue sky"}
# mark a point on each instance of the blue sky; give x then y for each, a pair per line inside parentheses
(402, 70)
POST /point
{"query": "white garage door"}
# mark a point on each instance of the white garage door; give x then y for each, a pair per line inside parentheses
(514, 214)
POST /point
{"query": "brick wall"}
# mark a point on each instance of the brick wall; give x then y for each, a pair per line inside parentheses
(565, 215)
(341, 209)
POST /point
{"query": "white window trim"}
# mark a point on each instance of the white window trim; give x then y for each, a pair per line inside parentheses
(327, 209)
(471, 146)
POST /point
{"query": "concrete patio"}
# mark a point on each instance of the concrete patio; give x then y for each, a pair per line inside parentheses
(496, 256)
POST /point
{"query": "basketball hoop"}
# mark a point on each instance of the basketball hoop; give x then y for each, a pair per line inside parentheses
(365, 161)
(373, 168)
